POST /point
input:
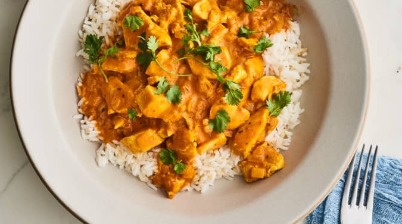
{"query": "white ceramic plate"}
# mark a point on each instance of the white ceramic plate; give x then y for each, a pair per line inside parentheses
(44, 74)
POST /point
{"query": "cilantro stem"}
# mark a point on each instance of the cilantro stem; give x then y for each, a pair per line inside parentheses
(169, 72)
(191, 57)
(103, 73)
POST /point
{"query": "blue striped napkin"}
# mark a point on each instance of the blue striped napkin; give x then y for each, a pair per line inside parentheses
(387, 197)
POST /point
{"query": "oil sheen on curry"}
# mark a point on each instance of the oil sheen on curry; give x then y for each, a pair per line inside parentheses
(187, 76)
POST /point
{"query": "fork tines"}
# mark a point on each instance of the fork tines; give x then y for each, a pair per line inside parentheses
(362, 200)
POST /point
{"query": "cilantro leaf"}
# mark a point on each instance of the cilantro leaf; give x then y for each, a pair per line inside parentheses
(244, 32)
(205, 33)
(262, 45)
(278, 102)
(169, 157)
(188, 15)
(251, 5)
(174, 94)
(110, 52)
(179, 167)
(133, 22)
(220, 122)
(207, 51)
(152, 45)
(144, 59)
(142, 43)
(92, 47)
(218, 69)
(132, 114)
(162, 87)
(234, 94)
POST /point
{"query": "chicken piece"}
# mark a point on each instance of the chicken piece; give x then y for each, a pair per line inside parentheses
(119, 97)
(263, 162)
(205, 86)
(183, 142)
(123, 62)
(238, 115)
(200, 70)
(216, 142)
(166, 130)
(225, 58)
(169, 12)
(265, 87)
(142, 141)
(249, 71)
(250, 133)
(165, 58)
(254, 67)
(202, 9)
(156, 106)
(247, 43)
(273, 122)
(238, 74)
(150, 27)
(170, 181)
(215, 18)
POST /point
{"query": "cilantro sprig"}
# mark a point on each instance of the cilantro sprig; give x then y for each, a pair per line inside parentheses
(220, 122)
(278, 102)
(207, 51)
(192, 35)
(262, 45)
(93, 47)
(251, 5)
(148, 54)
(193, 45)
(133, 22)
(169, 157)
(173, 94)
(245, 32)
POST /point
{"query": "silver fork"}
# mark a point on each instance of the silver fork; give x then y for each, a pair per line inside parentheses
(359, 211)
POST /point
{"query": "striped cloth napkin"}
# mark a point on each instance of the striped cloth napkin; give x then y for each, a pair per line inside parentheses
(387, 196)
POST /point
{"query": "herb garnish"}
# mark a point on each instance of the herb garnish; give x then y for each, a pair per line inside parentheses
(245, 32)
(220, 122)
(251, 5)
(234, 94)
(208, 53)
(133, 22)
(168, 156)
(132, 114)
(191, 27)
(173, 94)
(278, 102)
(162, 87)
(262, 45)
(92, 47)
(148, 54)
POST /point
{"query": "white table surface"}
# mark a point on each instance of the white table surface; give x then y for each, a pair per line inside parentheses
(24, 198)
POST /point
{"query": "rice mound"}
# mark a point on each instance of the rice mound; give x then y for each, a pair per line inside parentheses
(286, 59)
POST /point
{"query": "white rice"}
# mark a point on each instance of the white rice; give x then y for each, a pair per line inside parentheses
(286, 59)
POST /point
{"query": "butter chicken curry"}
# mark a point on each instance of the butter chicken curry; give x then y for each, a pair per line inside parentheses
(187, 76)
